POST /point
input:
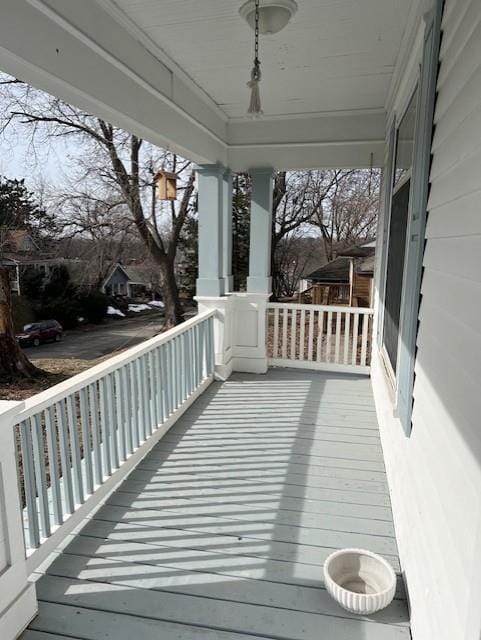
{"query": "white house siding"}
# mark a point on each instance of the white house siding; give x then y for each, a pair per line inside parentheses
(435, 474)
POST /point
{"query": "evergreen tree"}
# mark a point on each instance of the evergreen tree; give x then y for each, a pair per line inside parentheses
(19, 208)
(240, 229)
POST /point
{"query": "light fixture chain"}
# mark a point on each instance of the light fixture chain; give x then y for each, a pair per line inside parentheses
(256, 31)
(255, 109)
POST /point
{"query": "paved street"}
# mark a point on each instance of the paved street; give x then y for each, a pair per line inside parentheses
(89, 345)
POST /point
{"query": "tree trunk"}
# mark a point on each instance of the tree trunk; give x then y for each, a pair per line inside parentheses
(174, 313)
(14, 364)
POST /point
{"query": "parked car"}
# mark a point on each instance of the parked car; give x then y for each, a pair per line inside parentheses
(38, 332)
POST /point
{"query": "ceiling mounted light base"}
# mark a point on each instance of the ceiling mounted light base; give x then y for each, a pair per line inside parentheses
(273, 14)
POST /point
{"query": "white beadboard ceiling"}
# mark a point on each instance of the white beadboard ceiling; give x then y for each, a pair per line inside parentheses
(335, 55)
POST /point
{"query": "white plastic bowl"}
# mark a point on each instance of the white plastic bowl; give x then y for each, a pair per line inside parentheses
(360, 581)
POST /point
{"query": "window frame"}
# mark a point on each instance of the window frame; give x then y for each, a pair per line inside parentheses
(417, 218)
(425, 80)
(391, 190)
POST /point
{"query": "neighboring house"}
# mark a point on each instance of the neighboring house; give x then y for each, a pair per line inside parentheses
(347, 280)
(131, 281)
(19, 251)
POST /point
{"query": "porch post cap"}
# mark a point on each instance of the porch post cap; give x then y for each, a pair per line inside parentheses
(211, 169)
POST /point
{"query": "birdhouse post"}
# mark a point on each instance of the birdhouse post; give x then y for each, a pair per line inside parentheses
(166, 185)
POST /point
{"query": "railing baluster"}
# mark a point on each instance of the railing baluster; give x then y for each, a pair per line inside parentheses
(154, 387)
(355, 333)
(284, 333)
(329, 336)
(293, 333)
(184, 354)
(338, 337)
(311, 335)
(40, 476)
(104, 427)
(128, 416)
(52, 452)
(302, 335)
(29, 485)
(211, 346)
(162, 384)
(93, 392)
(64, 456)
(138, 399)
(175, 373)
(195, 358)
(134, 394)
(275, 345)
(347, 326)
(146, 394)
(87, 451)
(365, 325)
(168, 378)
(113, 423)
(210, 334)
(320, 335)
(73, 429)
(119, 410)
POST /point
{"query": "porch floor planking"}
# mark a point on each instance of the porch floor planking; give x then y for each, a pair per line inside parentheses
(222, 530)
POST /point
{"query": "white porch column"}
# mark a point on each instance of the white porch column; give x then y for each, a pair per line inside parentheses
(18, 603)
(211, 196)
(215, 258)
(249, 322)
(227, 230)
(259, 280)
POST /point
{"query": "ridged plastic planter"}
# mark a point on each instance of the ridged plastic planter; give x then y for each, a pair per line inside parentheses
(360, 581)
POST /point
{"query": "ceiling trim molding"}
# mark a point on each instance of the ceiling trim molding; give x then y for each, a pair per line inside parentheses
(318, 143)
(73, 30)
(308, 115)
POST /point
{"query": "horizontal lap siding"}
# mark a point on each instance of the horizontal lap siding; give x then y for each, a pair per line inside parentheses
(435, 475)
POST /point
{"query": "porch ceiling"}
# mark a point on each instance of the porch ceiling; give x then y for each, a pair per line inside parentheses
(175, 72)
(333, 55)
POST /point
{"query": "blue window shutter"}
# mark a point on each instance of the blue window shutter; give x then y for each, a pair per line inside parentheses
(413, 265)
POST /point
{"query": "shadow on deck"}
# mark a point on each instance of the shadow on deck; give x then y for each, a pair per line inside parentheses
(222, 530)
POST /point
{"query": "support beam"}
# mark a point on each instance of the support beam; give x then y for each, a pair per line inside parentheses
(259, 280)
(227, 230)
(210, 282)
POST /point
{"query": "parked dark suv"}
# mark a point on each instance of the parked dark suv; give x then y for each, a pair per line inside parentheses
(38, 332)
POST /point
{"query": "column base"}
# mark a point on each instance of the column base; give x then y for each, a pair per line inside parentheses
(249, 332)
(16, 618)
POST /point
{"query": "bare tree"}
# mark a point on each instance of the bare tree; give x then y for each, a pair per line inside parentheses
(295, 255)
(120, 161)
(300, 198)
(349, 211)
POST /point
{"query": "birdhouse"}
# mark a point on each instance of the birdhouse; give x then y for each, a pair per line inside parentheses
(166, 185)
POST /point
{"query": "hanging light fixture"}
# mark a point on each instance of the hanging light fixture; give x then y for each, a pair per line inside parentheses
(269, 18)
(273, 14)
(255, 109)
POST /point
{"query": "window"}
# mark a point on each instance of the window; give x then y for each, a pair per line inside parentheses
(397, 230)
(406, 196)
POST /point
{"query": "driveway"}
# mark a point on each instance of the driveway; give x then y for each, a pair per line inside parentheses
(89, 345)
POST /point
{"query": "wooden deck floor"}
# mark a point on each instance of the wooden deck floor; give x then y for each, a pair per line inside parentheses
(222, 530)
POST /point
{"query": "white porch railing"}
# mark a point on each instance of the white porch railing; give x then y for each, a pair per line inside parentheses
(319, 337)
(76, 440)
